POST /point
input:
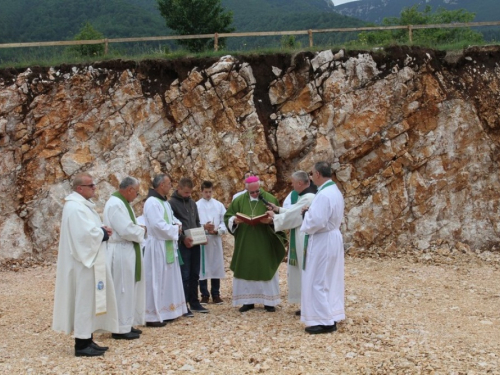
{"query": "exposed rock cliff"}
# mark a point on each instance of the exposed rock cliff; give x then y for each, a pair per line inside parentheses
(413, 136)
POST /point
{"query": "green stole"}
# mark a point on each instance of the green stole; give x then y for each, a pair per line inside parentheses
(137, 247)
(306, 238)
(169, 244)
(292, 257)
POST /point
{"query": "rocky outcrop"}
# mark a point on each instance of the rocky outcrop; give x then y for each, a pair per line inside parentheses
(412, 135)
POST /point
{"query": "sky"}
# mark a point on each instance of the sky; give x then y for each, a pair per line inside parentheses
(338, 2)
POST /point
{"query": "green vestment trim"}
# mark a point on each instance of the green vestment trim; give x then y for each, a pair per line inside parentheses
(169, 244)
(292, 256)
(258, 249)
(137, 247)
(306, 237)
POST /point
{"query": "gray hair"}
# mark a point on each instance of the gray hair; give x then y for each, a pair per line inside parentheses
(128, 181)
(78, 180)
(301, 176)
(323, 168)
(158, 180)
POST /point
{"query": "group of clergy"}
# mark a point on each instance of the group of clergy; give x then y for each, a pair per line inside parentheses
(106, 279)
(313, 213)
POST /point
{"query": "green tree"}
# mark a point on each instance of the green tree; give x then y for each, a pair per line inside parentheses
(426, 37)
(188, 17)
(87, 32)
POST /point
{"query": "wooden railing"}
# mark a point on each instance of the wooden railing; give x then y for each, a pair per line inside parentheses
(216, 36)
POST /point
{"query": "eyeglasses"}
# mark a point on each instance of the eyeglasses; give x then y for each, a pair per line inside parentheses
(254, 192)
(89, 185)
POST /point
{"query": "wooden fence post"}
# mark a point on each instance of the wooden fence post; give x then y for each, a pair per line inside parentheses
(106, 46)
(310, 32)
(410, 33)
(216, 42)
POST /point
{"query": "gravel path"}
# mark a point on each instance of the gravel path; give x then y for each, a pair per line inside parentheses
(431, 315)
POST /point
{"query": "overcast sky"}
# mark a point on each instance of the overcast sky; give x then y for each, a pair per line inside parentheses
(338, 2)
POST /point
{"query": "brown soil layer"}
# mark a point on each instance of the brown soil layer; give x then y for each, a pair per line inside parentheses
(432, 314)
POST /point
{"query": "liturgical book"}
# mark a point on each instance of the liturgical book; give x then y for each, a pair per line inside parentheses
(197, 234)
(251, 220)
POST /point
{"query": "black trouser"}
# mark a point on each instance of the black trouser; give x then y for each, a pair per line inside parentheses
(214, 290)
(190, 272)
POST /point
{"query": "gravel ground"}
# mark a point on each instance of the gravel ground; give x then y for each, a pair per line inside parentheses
(433, 315)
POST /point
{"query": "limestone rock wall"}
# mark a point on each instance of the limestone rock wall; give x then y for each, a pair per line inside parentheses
(412, 134)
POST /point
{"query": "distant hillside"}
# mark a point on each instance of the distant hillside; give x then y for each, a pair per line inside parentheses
(34, 20)
(376, 10)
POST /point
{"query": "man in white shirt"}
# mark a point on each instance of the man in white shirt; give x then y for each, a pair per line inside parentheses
(125, 258)
(165, 299)
(84, 298)
(211, 212)
(323, 266)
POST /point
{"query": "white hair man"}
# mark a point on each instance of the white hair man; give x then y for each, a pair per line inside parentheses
(125, 258)
(291, 218)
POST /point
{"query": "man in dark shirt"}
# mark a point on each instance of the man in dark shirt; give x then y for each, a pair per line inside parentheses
(186, 211)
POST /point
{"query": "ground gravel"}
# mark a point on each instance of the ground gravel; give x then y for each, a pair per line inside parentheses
(428, 313)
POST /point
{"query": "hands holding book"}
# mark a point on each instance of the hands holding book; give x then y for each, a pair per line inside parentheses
(260, 219)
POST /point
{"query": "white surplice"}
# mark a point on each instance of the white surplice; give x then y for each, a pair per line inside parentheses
(238, 194)
(130, 295)
(80, 250)
(212, 255)
(164, 290)
(289, 218)
(322, 300)
(247, 292)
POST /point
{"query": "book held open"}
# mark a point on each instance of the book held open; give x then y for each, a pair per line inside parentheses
(251, 220)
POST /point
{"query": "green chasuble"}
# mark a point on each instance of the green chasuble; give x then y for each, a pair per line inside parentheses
(258, 249)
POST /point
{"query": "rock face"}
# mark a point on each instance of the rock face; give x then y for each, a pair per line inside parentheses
(413, 137)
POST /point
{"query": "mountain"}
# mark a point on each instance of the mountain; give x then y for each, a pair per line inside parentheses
(50, 20)
(376, 10)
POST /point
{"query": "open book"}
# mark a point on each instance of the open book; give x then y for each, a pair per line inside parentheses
(251, 220)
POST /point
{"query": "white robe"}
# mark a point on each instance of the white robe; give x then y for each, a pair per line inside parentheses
(80, 248)
(164, 291)
(247, 292)
(323, 279)
(212, 254)
(289, 218)
(238, 194)
(130, 295)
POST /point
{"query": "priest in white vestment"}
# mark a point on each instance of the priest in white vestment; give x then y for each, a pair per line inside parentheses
(291, 218)
(211, 212)
(165, 299)
(125, 259)
(84, 299)
(323, 268)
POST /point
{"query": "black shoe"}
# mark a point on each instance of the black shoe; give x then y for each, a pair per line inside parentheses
(270, 308)
(246, 307)
(297, 312)
(204, 300)
(197, 307)
(166, 321)
(98, 347)
(314, 330)
(189, 314)
(156, 324)
(89, 351)
(135, 330)
(125, 336)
